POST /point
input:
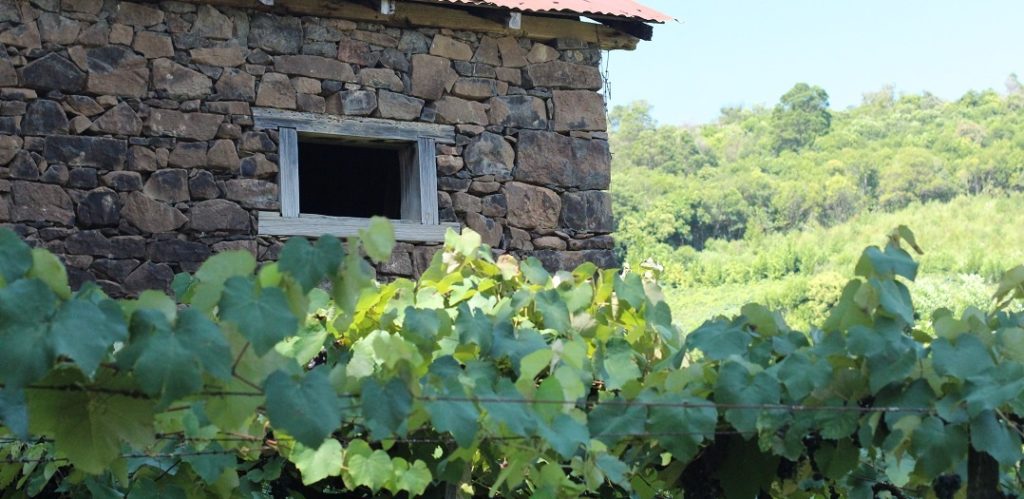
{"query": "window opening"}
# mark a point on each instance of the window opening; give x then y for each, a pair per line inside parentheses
(345, 179)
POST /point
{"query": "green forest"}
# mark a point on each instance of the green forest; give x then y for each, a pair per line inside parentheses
(771, 204)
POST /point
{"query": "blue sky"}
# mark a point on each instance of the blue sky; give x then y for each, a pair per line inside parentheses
(732, 52)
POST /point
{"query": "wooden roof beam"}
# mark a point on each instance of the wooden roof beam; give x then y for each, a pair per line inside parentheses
(432, 15)
(638, 29)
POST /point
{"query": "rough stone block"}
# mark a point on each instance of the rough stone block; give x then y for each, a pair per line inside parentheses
(450, 48)
(512, 55)
(531, 207)
(137, 15)
(179, 81)
(489, 154)
(398, 106)
(276, 91)
(236, 84)
(170, 184)
(478, 88)
(116, 70)
(490, 231)
(195, 126)
(453, 110)
(275, 34)
(52, 72)
(579, 110)
(99, 208)
(85, 151)
(44, 117)
(34, 202)
(560, 74)
(118, 120)
(589, 211)
(218, 215)
(255, 194)
(226, 56)
(541, 53)
(123, 181)
(188, 155)
(381, 78)
(518, 111)
(153, 45)
(314, 67)
(432, 76)
(150, 215)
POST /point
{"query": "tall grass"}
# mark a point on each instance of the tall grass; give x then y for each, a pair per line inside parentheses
(968, 243)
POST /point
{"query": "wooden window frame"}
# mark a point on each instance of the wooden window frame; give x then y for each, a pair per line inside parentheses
(418, 163)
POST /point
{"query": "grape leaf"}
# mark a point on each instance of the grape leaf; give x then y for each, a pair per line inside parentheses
(372, 470)
(836, 459)
(515, 415)
(565, 435)
(886, 264)
(386, 407)
(308, 410)
(553, 311)
(15, 257)
(378, 239)
(614, 469)
(989, 435)
(223, 266)
(261, 314)
(310, 264)
(680, 430)
(413, 479)
(894, 298)
(320, 463)
(630, 289)
(169, 363)
(719, 340)
(801, 376)
(88, 426)
(458, 417)
(211, 463)
(144, 488)
(963, 359)
(737, 387)
(47, 268)
(618, 365)
(615, 419)
(85, 331)
(14, 412)
(937, 446)
(27, 352)
(746, 470)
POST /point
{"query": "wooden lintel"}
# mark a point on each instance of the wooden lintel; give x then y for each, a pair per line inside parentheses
(637, 29)
(429, 15)
(329, 125)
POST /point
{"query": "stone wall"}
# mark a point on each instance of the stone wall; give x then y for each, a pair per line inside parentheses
(127, 142)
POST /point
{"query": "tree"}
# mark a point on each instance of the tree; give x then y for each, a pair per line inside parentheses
(800, 117)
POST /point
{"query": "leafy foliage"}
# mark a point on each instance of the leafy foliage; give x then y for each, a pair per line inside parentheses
(494, 376)
(734, 218)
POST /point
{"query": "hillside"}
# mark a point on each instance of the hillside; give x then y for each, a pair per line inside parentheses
(771, 204)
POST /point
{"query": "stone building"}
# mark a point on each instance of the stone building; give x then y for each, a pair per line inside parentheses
(137, 139)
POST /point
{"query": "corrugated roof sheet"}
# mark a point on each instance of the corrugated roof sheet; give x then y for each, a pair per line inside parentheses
(614, 8)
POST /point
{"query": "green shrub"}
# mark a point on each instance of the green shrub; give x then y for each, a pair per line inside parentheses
(306, 377)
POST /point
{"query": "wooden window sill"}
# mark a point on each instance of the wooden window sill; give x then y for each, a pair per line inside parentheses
(273, 224)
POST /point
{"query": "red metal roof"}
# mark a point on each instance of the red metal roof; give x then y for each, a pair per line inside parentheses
(614, 8)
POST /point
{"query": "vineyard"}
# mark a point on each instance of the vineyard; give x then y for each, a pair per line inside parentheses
(490, 376)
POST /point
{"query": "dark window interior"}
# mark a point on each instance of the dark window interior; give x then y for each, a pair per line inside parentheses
(346, 180)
